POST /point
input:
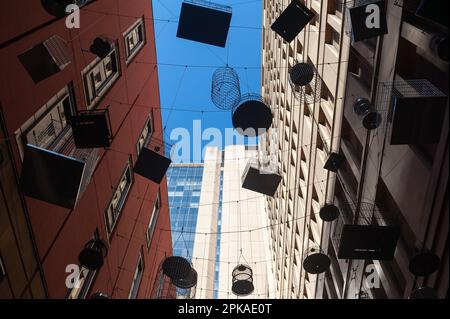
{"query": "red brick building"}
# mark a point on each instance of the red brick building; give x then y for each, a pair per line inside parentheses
(39, 239)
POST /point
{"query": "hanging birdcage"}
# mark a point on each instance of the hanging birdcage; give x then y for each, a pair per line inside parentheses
(373, 235)
(93, 254)
(306, 82)
(225, 88)
(316, 261)
(424, 262)
(152, 162)
(242, 284)
(349, 5)
(252, 117)
(176, 279)
(371, 119)
(329, 212)
(423, 293)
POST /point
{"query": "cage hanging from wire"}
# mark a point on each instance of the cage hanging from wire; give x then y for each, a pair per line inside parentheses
(305, 82)
(242, 284)
(252, 117)
(175, 279)
(316, 261)
(225, 88)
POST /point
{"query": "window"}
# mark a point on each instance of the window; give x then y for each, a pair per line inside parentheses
(137, 277)
(47, 124)
(2, 270)
(147, 132)
(99, 76)
(134, 39)
(153, 220)
(115, 206)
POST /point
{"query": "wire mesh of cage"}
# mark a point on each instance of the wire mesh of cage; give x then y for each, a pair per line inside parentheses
(306, 82)
(225, 88)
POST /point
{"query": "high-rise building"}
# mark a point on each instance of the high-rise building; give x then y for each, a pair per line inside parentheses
(184, 185)
(399, 168)
(54, 73)
(217, 224)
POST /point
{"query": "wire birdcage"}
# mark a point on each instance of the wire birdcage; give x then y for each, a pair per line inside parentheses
(242, 280)
(176, 279)
(252, 116)
(225, 88)
(306, 82)
(316, 261)
(365, 231)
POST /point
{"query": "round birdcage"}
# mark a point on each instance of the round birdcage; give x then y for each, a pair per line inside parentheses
(176, 268)
(176, 279)
(225, 88)
(306, 82)
(242, 280)
(99, 295)
(93, 254)
(424, 263)
(252, 117)
(362, 106)
(329, 212)
(316, 261)
(372, 121)
(423, 293)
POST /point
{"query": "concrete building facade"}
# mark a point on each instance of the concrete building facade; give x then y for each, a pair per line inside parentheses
(409, 182)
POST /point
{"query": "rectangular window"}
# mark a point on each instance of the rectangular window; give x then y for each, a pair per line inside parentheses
(99, 76)
(2, 270)
(134, 39)
(153, 220)
(146, 134)
(44, 128)
(114, 209)
(137, 277)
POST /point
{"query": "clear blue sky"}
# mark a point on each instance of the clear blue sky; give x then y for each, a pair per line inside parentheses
(194, 91)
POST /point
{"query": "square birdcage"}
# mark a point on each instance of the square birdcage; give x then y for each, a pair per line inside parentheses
(373, 235)
(259, 179)
(204, 22)
(414, 111)
(152, 162)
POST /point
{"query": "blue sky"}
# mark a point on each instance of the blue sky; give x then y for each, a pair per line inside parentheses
(194, 91)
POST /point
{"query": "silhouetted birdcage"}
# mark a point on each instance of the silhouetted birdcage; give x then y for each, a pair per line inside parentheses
(424, 262)
(252, 117)
(371, 119)
(225, 88)
(242, 284)
(373, 235)
(316, 261)
(176, 279)
(329, 212)
(93, 254)
(306, 82)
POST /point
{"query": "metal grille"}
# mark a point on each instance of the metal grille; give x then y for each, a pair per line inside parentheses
(211, 5)
(58, 50)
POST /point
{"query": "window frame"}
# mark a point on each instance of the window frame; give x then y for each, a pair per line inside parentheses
(130, 54)
(137, 277)
(149, 124)
(116, 212)
(88, 76)
(150, 230)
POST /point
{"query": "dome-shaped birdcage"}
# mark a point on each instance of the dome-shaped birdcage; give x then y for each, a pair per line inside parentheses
(225, 88)
(306, 82)
(93, 254)
(99, 295)
(316, 261)
(424, 262)
(252, 117)
(176, 279)
(242, 284)
(423, 293)
(371, 119)
(329, 212)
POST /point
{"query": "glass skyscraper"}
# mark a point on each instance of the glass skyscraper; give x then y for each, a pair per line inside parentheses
(184, 183)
